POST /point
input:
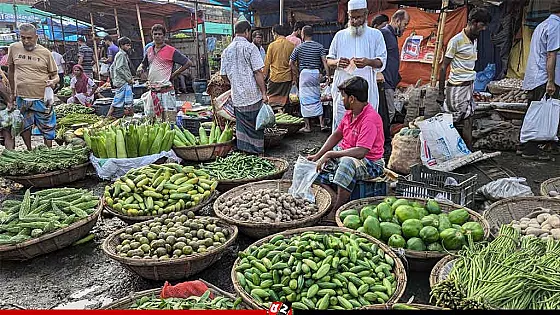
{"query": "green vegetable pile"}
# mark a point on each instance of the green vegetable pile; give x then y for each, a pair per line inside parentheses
(130, 141)
(315, 270)
(64, 110)
(203, 302)
(42, 159)
(65, 91)
(404, 224)
(287, 119)
(77, 118)
(186, 139)
(43, 212)
(239, 166)
(511, 272)
(172, 236)
(158, 189)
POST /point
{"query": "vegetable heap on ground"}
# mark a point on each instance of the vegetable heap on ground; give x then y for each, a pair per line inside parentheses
(268, 205)
(317, 270)
(404, 224)
(172, 236)
(64, 110)
(158, 189)
(511, 272)
(239, 166)
(65, 91)
(77, 118)
(283, 118)
(130, 141)
(204, 302)
(43, 212)
(185, 138)
(42, 159)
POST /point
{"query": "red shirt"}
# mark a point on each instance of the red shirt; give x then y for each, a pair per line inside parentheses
(365, 131)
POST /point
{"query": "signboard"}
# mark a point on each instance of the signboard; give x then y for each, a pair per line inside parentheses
(418, 49)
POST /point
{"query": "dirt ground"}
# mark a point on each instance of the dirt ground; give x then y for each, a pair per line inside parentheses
(83, 277)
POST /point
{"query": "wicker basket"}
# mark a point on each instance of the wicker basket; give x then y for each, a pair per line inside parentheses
(417, 260)
(132, 220)
(51, 242)
(399, 270)
(172, 269)
(441, 270)
(292, 128)
(549, 185)
(507, 210)
(260, 230)
(496, 89)
(281, 166)
(125, 303)
(52, 179)
(202, 153)
(384, 307)
(272, 140)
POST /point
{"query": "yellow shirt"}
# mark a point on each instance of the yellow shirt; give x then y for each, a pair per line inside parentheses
(278, 60)
(464, 54)
(32, 69)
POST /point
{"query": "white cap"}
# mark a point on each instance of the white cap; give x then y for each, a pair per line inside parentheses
(357, 5)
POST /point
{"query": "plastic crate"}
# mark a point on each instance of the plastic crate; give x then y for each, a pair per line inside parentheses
(427, 183)
(192, 123)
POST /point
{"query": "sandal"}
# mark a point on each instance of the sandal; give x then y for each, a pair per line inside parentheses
(325, 128)
(306, 130)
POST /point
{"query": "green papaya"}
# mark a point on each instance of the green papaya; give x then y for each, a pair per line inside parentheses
(443, 222)
(430, 220)
(435, 247)
(368, 211)
(388, 229)
(390, 200)
(452, 239)
(399, 202)
(385, 212)
(405, 212)
(459, 216)
(433, 207)
(372, 227)
(396, 241)
(422, 212)
(474, 229)
(429, 234)
(411, 228)
(352, 222)
(345, 213)
(415, 243)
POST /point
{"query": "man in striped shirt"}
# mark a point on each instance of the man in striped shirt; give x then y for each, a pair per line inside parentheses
(461, 54)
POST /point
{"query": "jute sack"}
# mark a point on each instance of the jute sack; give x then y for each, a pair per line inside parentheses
(406, 153)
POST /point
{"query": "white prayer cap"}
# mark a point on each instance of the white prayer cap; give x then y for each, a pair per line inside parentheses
(357, 5)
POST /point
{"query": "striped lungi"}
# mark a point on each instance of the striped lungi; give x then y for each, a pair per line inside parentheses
(459, 101)
(248, 139)
(278, 94)
(310, 93)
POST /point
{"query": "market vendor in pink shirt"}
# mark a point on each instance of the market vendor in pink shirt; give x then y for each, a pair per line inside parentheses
(354, 151)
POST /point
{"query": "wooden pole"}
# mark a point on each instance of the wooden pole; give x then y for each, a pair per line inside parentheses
(205, 49)
(281, 12)
(439, 43)
(117, 23)
(196, 39)
(140, 25)
(95, 56)
(232, 24)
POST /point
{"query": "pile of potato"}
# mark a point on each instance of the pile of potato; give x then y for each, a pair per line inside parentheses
(543, 225)
(513, 96)
(509, 83)
(268, 206)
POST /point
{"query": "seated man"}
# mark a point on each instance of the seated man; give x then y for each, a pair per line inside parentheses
(357, 143)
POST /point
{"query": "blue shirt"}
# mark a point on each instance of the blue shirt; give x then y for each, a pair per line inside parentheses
(391, 72)
(148, 45)
(546, 38)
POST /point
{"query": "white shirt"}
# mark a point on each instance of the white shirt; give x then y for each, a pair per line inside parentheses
(546, 38)
(59, 60)
(369, 45)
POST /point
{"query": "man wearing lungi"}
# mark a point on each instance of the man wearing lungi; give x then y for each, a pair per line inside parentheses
(159, 61)
(277, 69)
(461, 54)
(309, 57)
(122, 79)
(31, 68)
(355, 149)
(242, 68)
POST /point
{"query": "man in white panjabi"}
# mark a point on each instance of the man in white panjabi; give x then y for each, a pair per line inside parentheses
(358, 50)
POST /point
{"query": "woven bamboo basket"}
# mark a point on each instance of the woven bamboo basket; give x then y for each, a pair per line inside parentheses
(441, 270)
(281, 166)
(385, 307)
(549, 185)
(399, 270)
(52, 179)
(202, 153)
(292, 128)
(125, 303)
(417, 260)
(172, 269)
(272, 140)
(132, 220)
(260, 230)
(510, 209)
(51, 242)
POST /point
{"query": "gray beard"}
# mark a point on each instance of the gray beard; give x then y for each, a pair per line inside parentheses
(29, 48)
(356, 31)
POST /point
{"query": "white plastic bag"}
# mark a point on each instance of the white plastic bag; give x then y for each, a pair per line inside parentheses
(104, 71)
(440, 141)
(5, 119)
(265, 118)
(224, 106)
(111, 169)
(294, 94)
(541, 121)
(305, 173)
(148, 104)
(326, 94)
(48, 96)
(506, 188)
(16, 119)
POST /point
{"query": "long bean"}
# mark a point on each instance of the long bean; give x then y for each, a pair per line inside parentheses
(239, 166)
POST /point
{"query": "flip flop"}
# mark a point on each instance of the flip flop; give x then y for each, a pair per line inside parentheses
(325, 128)
(306, 130)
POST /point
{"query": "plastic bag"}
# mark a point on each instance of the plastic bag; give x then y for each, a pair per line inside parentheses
(506, 188)
(294, 94)
(541, 121)
(184, 289)
(5, 118)
(48, 96)
(326, 94)
(484, 77)
(148, 104)
(112, 169)
(224, 106)
(305, 173)
(440, 141)
(265, 118)
(104, 71)
(17, 122)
